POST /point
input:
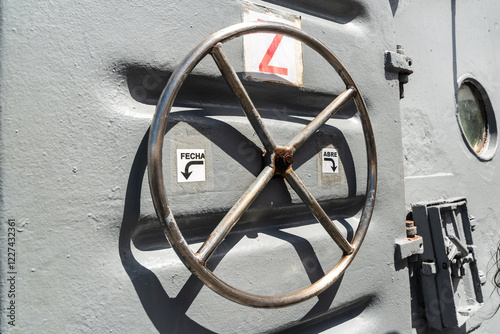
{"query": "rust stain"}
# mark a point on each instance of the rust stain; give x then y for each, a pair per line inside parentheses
(283, 159)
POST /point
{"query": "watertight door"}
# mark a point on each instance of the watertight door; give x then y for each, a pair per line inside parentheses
(79, 88)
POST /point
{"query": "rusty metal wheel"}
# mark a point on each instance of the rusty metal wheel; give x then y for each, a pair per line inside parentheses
(280, 162)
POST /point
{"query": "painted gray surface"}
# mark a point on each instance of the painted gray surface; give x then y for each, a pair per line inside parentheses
(447, 40)
(78, 85)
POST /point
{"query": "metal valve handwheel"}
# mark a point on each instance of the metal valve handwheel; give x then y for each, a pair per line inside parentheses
(280, 162)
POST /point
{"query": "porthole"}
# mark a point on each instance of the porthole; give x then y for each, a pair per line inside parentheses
(476, 119)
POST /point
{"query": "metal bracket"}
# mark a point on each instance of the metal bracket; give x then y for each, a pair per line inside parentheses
(409, 247)
(398, 62)
(449, 280)
(412, 245)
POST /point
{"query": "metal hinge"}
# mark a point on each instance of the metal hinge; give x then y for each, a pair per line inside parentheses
(412, 245)
(398, 62)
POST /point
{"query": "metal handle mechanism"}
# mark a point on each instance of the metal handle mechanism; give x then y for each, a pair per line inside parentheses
(281, 158)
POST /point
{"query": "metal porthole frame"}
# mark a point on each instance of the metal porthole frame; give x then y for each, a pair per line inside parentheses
(279, 161)
(489, 149)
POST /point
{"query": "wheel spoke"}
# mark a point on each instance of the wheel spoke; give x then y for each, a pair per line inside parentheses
(318, 211)
(239, 90)
(232, 217)
(321, 119)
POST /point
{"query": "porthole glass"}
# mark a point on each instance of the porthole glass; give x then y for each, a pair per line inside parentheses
(476, 118)
(472, 116)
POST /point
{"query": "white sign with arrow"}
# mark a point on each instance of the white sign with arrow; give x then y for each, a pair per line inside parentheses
(190, 165)
(329, 161)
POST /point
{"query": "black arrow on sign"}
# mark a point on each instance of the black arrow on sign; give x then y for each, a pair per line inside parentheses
(186, 172)
(333, 163)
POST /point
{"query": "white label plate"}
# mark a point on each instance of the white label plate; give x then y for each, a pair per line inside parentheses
(273, 57)
(329, 161)
(190, 165)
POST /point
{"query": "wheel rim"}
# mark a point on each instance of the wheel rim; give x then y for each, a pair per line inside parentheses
(281, 160)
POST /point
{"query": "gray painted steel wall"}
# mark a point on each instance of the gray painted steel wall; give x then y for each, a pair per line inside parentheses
(78, 87)
(447, 40)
